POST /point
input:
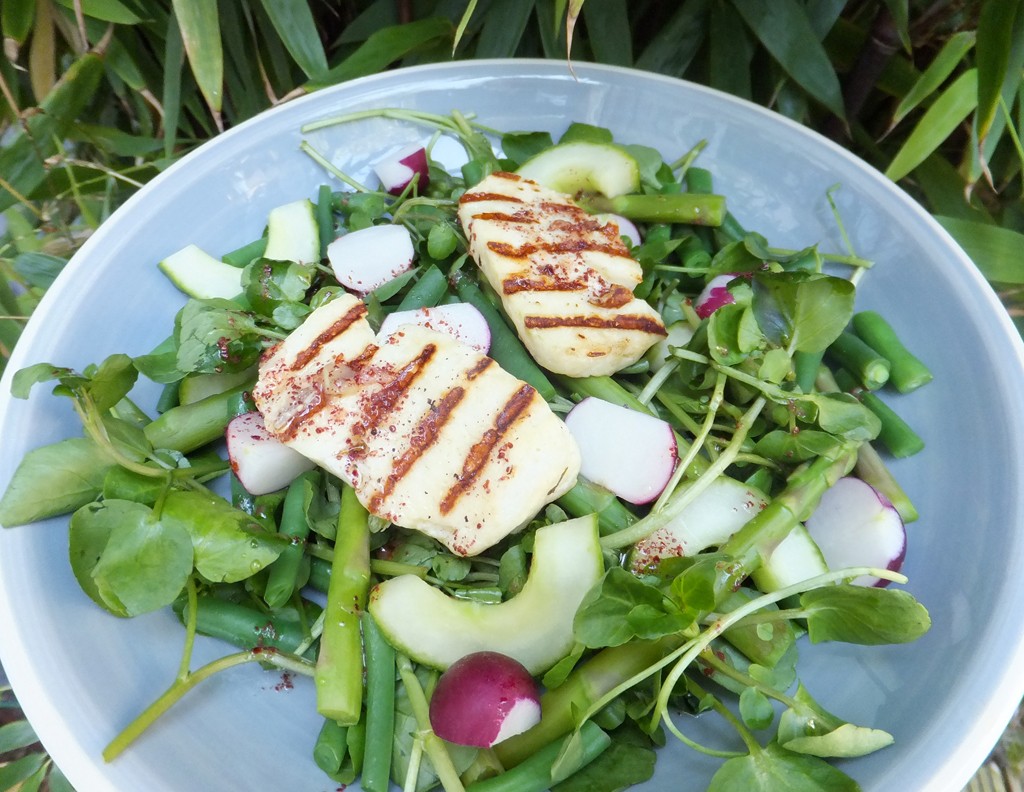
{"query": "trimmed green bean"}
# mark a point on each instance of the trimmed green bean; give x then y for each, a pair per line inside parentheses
(168, 397)
(895, 434)
(428, 291)
(246, 627)
(241, 257)
(506, 348)
(869, 367)
(189, 426)
(325, 217)
(331, 746)
(541, 770)
(283, 575)
(907, 372)
(586, 498)
(701, 180)
(339, 667)
(380, 708)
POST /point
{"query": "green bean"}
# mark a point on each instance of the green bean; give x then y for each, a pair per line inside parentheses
(189, 426)
(380, 708)
(541, 770)
(896, 434)
(805, 369)
(701, 180)
(242, 256)
(586, 498)
(339, 667)
(246, 627)
(168, 397)
(428, 291)
(283, 575)
(690, 208)
(907, 372)
(331, 746)
(506, 348)
(325, 217)
(869, 367)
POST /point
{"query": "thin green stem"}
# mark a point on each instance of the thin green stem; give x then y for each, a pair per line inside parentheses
(329, 166)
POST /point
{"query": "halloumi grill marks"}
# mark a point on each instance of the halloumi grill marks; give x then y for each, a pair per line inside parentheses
(565, 278)
(431, 434)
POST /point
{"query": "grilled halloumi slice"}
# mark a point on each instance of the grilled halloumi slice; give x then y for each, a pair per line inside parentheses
(431, 434)
(565, 278)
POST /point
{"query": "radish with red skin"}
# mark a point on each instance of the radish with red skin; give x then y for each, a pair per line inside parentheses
(262, 462)
(628, 452)
(462, 321)
(855, 525)
(368, 258)
(627, 227)
(714, 295)
(482, 699)
(398, 170)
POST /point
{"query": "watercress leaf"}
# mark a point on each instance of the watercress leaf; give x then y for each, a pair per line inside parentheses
(145, 563)
(694, 588)
(25, 378)
(560, 671)
(54, 479)
(216, 335)
(846, 741)
(229, 544)
(606, 615)
(733, 333)
(734, 257)
(588, 133)
(863, 615)
(386, 291)
(774, 769)
(750, 638)
(842, 415)
(289, 315)
(123, 484)
(802, 311)
(268, 283)
(512, 571)
(441, 241)
(161, 365)
(805, 717)
(89, 532)
(111, 381)
(775, 366)
(450, 568)
(649, 160)
(621, 765)
(755, 709)
(795, 446)
(128, 438)
(520, 146)
(782, 674)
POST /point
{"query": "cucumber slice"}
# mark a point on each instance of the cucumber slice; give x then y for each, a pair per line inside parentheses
(795, 559)
(679, 334)
(200, 275)
(196, 387)
(584, 167)
(534, 627)
(708, 521)
(293, 233)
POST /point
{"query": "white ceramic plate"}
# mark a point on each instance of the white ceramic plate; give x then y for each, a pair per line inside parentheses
(81, 674)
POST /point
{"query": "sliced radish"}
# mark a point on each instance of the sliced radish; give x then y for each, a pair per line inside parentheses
(856, 525)
(395, 172)
(370, 257)
(461, 320)
(625, 451)
(714, 295)
(627, 227)
(482, 699)
(262, 462)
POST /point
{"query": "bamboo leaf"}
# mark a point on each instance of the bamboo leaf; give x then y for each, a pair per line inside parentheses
(823, 14)
(552, 43)
(995, 250)
(503, 28)
(948, 111)
(200, 31)
(900, 12)
(572, 13)
(729, 51)
(784, 29)
(674, 46)
(463, 22)
(107, 10)
(16, 18)
(385, 47)
(379, 14)
(942, 66)
(996, 25)
(608, 31)
(944, 193)
(293, 21)
(15, 735)
(174, 59)
(42, 56)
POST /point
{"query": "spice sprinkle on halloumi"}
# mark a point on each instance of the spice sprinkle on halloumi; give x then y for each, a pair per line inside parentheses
(431, 434)
(565, 278)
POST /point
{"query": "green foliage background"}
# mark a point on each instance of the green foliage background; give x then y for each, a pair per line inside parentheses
(98, 96)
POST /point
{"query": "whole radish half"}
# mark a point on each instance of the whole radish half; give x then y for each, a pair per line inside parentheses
(628, 452)
(398, 170)
(714, 295)
(262, 462)
(482, 699)
(855, 525)
(370, 257)
(461, 320)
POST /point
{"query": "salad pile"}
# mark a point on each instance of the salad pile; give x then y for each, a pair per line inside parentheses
(528, 462)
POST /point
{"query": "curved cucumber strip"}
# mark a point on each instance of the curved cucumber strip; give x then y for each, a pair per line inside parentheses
(293, 233)
(584, 167)
(534, 627)
(200, 275)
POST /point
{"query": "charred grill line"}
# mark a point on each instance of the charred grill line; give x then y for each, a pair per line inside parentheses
(642, 324)
(354, 314)
(481, 450)
(377, 407)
